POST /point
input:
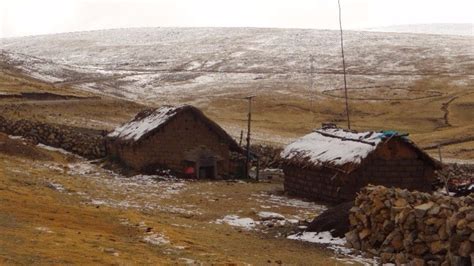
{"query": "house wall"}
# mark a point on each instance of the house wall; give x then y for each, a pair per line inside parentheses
(172, 144)
(396, 164)
(315, 184)
(392, 164)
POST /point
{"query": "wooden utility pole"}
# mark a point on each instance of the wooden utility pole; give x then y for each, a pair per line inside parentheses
(344, 66)
(241, 137)
(446, 178)
(247, 161)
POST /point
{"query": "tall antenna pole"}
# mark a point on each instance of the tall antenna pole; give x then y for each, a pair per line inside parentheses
(311, 86)
(344, 66)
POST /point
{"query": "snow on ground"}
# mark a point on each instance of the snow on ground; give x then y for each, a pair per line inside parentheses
(267, 220)
(156, 239)
(142, 192)
(56, 186)
(466, 29)
(235, 220)
(16, 137)
(320, 238)
(264, 215)
(44, 229)
(334, 243)
(146, 64)
(49, 148)
(272, 200)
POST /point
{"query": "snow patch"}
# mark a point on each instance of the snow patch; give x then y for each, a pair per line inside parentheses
(156, 239)
(270, 216)
(334, 243)
(234, 220)
(320, 238)
(44, 230)
(49, 148)
(56, 186)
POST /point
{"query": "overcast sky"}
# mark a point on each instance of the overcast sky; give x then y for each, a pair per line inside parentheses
(32, 17)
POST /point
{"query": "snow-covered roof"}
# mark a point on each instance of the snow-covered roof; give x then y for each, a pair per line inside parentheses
(343, 149)
(145, 122)
(148, 121)
(333, 146)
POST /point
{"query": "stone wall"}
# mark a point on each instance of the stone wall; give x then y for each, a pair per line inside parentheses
(413, 227)
(84, 142)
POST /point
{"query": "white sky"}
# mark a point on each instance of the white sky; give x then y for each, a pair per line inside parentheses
(32, 17)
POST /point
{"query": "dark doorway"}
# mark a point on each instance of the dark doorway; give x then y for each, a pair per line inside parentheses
(207, 172)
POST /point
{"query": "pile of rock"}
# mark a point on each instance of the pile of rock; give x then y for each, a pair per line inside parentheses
(455, 170)
(413, 227)
(460, 178)
(269, 157)
(87, 143)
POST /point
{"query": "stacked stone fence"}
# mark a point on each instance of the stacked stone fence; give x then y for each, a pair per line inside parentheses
(84, 142)
(413, 228)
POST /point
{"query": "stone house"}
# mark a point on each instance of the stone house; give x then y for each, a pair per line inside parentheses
(333, 164)
(179, 138)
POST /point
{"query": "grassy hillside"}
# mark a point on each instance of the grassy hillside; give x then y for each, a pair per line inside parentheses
(439, 113)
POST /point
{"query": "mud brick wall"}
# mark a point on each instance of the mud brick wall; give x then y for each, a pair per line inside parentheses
(315, 184)
(413, 174)
(171, 145)
(334, 186)
(413, 227)
(393, 164)
(84, 142)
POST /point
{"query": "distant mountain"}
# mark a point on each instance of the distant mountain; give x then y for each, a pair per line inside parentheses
(466, 29)
(147, 64)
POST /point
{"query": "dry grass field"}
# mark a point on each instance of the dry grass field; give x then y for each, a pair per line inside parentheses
(440, 113)
(59, 209)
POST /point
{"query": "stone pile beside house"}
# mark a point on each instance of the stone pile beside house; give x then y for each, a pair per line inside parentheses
(268, 156)
(84, 142)
(413, 227)
(459, 177)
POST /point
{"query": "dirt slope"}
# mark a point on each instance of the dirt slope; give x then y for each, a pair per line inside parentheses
(63, 210)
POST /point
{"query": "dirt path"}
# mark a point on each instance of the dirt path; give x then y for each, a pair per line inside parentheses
(445, 109)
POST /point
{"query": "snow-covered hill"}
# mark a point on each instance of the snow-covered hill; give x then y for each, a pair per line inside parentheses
(147, 64)
(463, 29)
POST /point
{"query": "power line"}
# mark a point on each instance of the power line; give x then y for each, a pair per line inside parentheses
(344, 66)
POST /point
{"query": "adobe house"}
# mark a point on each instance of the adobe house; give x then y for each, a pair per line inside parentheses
(333, 164)
(180, 138)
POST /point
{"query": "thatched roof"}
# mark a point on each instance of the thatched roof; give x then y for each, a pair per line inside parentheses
(149, 121)
(342, 149)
